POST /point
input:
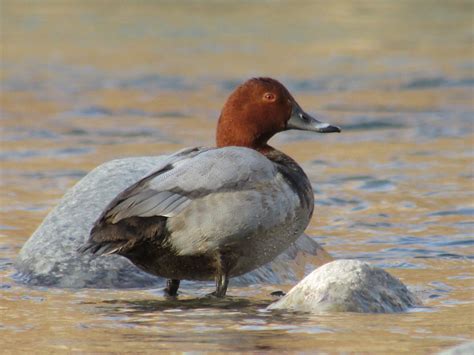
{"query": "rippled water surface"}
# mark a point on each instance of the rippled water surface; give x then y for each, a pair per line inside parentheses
(83, 82)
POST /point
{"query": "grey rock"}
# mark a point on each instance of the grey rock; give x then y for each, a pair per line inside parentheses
(50, 256)
(348, 286)
(462, 349)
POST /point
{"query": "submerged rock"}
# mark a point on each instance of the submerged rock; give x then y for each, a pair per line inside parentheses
(348, 286)
(50, 256)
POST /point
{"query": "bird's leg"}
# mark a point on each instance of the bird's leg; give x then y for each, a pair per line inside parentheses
(171, 288)
(221, 276)
(222, 281)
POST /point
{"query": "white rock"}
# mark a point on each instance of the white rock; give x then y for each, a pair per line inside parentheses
(462, 349)
(50, 257)
(348, 286)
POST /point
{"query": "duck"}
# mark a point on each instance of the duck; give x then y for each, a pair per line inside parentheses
(213, 213)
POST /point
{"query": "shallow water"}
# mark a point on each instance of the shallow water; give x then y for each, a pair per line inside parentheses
(86, 82)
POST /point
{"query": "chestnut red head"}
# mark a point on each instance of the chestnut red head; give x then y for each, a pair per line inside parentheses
(257, 110)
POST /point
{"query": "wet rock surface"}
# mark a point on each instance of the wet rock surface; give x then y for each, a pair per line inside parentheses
(348, 286)
(462, 349)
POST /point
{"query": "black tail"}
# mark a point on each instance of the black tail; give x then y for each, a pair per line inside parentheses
(99, 248)
(122, 237)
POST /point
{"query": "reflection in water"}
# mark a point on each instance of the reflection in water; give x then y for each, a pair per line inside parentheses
(84, 82)
(141, 306)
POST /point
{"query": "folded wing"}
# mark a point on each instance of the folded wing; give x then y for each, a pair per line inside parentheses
(183, 177)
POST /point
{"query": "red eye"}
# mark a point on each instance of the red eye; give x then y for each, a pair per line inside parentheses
(268, 96)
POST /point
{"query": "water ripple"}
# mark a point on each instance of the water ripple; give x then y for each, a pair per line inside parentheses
(59, 153)
(458, 212)
(437, 82)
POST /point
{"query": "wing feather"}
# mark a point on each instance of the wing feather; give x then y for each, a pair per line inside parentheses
(178, 180)
(187, 175)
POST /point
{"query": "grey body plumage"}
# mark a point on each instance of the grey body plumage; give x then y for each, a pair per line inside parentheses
(207, 213)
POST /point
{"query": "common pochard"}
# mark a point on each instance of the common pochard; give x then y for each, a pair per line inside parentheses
(219, 212)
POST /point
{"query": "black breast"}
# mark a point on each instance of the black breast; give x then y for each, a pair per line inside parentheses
(295, 177)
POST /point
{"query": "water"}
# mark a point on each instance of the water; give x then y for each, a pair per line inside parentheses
(86, 82)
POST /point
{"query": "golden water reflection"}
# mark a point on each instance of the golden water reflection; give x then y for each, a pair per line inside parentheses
(86, 82)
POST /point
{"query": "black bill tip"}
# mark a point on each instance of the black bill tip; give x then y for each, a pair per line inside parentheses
(329, 129)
